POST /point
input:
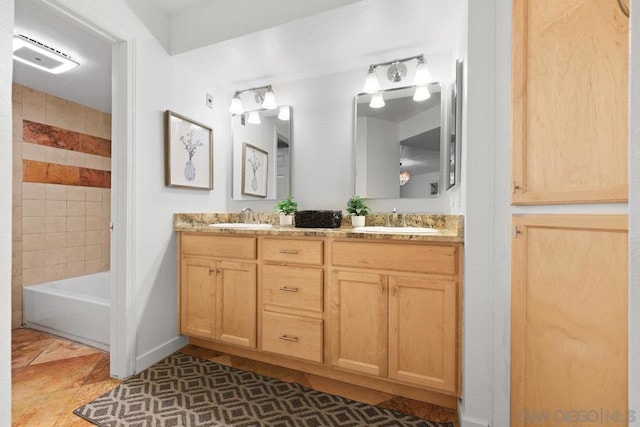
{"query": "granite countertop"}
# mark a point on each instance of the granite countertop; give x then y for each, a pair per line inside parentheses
(450, 227)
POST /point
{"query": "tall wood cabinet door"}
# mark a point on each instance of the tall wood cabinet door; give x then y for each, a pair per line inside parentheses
(569, 319)
(236, 303)
(569, 101)
(197, 297)
(358, 322)
(422, 331)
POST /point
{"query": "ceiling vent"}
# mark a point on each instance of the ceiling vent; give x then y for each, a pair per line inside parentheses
(38, 55)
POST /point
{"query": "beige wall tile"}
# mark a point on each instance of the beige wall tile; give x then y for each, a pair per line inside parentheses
(56, 240)
(76, 158)
(34, 242)
(56, 224)
(33, 191)
(75, 269)
(94, 208)
(76, 223)
(34, 152)
(33, 208)
(16, 249)
(93, 252)
(56, 208)
(34, 259)
(94, 266)
(106, 210)
(94, 194)
(76, 238)
(56, 192)
(16, 92)
(16, 228)
(34, 97)
(16, 296)
(106, 163)
(94, 223)
(16, 264)
(76, 208)
(94, 162)
(76, 193)
(94, 237)
(56, 257)
(34, 224)
(32, 276)
(17, 150)
(56, 272)
(105, 264)
(34, 113)
(75, 254)
(16, 319)
(56, 155)
(16, 119)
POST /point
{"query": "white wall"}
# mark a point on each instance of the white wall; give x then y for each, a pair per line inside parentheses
(6, 69)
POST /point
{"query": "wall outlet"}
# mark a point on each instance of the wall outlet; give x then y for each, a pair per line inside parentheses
(209, 101)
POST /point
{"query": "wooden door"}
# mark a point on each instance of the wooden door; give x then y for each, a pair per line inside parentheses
(236, 303)
(358, 327)
(197, 297)
(422, 331)
(569, 319)
(569, 101)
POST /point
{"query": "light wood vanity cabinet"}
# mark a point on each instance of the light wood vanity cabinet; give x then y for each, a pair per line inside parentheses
(218, 295)
(396, 324)
(376, 313)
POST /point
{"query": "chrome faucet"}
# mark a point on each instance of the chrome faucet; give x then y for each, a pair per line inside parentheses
(394, 221)
(250, 216)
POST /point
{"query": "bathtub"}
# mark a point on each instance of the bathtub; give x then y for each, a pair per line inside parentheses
(76, 308)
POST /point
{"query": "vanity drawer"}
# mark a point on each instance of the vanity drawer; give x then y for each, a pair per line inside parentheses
(294, 336)
(295, 288)
(428, 258)
(293, 251)
(218, 246)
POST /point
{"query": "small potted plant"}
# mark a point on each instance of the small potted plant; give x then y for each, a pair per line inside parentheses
(286, 208)
(357, 208)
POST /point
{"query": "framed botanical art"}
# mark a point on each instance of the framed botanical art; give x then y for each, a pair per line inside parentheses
(188, 152)
(254, 170)
(434, 188)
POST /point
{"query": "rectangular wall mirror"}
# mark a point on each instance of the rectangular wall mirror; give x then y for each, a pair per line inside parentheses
(398, 146)
(262, 154)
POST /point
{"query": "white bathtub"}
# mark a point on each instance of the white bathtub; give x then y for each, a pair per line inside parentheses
(76, 308)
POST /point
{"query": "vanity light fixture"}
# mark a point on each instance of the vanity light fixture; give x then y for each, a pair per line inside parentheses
(396, 71)
(263, 95)
(38, 55)
(284, 113)
(377, 101)
(254, 118)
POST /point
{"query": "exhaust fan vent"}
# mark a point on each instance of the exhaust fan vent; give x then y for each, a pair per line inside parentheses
(41, 56)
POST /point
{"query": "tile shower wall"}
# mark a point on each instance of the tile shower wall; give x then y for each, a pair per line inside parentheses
(61, 191)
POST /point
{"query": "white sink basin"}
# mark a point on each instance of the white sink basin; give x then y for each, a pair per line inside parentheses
(241, 225)
(395, 230)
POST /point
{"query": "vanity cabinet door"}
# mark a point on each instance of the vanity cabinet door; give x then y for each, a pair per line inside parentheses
(359, 303)
(197, 297)
(422, 331)
(236, 303)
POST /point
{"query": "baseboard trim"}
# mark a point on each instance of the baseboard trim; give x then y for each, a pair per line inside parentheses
(160, 352)
(470, 422)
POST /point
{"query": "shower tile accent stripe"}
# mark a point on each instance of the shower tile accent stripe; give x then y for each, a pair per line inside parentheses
(52, 136)
(52, 173)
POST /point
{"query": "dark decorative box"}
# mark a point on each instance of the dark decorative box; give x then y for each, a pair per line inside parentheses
(318, 219)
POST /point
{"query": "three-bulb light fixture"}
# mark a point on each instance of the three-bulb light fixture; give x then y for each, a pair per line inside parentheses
(263, 96)
(396, 72)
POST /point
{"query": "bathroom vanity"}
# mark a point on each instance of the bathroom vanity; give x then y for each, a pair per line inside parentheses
(377, 310)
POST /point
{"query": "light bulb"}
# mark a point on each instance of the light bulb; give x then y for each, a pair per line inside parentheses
(371, 85)
(269, 101)
(422, 94)
(254, 118)
(423, 75)
(284, 113)
(236, 105)
(377, 101)
(405, 176)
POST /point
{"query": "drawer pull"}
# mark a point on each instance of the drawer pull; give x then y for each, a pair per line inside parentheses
(289, 251)
(288, 289)
(286, 338)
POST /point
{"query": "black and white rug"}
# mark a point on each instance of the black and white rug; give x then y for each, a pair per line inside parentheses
(183, 390)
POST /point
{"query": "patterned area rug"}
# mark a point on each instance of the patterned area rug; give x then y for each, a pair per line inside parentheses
(183, 390)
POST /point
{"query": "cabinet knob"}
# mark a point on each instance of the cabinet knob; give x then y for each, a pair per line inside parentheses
(289, 289)
(287, 338)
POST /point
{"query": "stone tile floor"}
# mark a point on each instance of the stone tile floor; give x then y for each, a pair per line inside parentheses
(52, 376)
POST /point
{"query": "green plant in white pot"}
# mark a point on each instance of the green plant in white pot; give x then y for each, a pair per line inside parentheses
(358, 209)
(286, 208)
